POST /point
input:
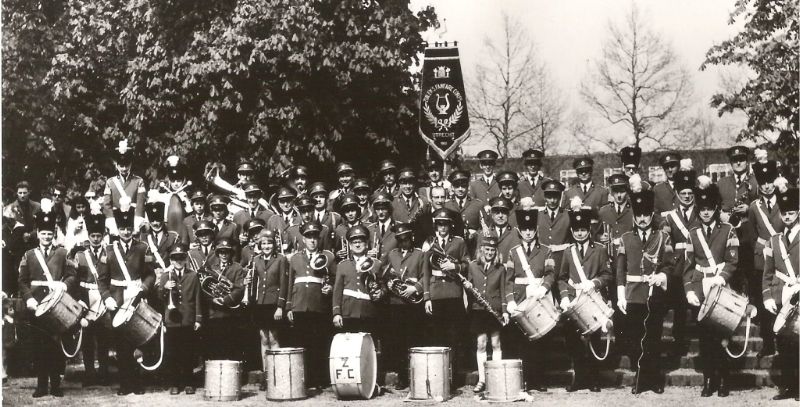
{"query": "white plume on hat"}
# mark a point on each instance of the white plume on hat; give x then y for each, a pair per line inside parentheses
(123, 147)
(760, 155)
(635, 183)
(703, 181)
(95, 207)
(527, 203)
(781, 183)
(46, 205)
(686, 164)
(172, 160)
(124, 204)
(576, 203)
(152, 195)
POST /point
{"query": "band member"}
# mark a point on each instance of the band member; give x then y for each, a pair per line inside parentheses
(664, 190)
(97, 335)
(219, 216)
(443, 292)
(643, 263)
(44, 269)
(124, 186)
(125, 277)
(530, 274)
(485, 187)
(179, 288)
(403, 279)
(352, 217)
(765, 219)
(322, 214)
(199, 212)
(221, 327)
(593, 196)
(433, 167)
(631, 157)
(505, 234)
(423, 224)
(408, 203)
(202, 250)
(305, 206)
(781, 264)
(711, 260)
(269, 281)
(298, 179)
(584, 267)
(286, 217)
(382, 231)
(387, 172)
(615, 217)
(252, 228)
(508, 181)
(245, 174)
(487, 276)
(469, 209)
(346, 176)
(356, 290)
(552, 227)
(362, 190)
(76, 234)
(255, 210)
(737, 191)
(308, 304)
(530, 180)
(159, 241)
(22, 211)
(677, 222)
(173, 195)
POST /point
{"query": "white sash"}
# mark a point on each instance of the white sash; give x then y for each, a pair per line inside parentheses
(578, 265)
(115, 181)
(765, 219)
(679, 223)
(43, 264)
(156, 254)
(711, 262)
(92, 268)
(786, 258)
(121, 260)
(532, 282)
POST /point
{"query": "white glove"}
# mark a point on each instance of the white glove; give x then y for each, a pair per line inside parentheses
(771, 306)
(511, 307)
(111, 225)
(587, 285)
(717, 280)
(622, 303)
(565, 303)
(110, 303)
(659, 280)
(539, 292)
(58, 285)
(32, 303)
(692, 299)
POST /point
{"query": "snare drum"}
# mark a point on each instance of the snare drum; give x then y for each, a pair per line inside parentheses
(59, 312)
(590, 312)
(787, 323)
(353, 365)
(222, 380)
(285, 374)
(430, 374)
(139, 324)
(504, 380)
(723, 310)
(537, 317)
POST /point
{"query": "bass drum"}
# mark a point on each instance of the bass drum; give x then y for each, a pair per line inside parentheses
(59, 312)
(353, 366)
(285, 374)
(431, 373)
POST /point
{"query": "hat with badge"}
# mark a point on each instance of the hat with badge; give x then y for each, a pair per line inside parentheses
(386, 166)
(643, 202)
(344, 167)
(218, 201)
(580, 218)
(407, 174)
(95, 223)
(303, 202)
(318, 188)
(254, 225)
(630, 155)
(442, 215)
(312, 228)
(706, 194)
(382, 199)
(737, 152)
(532, 156)
(765, 172)
(198, 196)
(582, 162)
(500, 203)
(357, 231)
(266, 234)
(45, 219)
(487, 156)
(155, 211)
(527, 218)
(286, 193)
(433, 164)
(788, 200)
(178, 251)
(246, 167)
(459, 176)
(552, 186)
(361, 185)
(507, 178)
(349, 201)
(618, 181)
(669, 158)
(124, 214)
(251, 188)
(489, 240)
(299, 171)
(175, 168)
(205, 226)
(402, 229)
(223, 243)
(123, 153)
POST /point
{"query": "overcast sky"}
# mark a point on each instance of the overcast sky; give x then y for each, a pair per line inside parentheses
(568, 35)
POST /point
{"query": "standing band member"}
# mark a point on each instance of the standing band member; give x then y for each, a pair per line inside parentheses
(665, 190)
(504, 232)
(593, 196)
(468, 208)
(356, 290)
(179, 288)
(382, 231)
(221, 328)
(43, 269)
(485, 186)
(124, 186)
(531, 180)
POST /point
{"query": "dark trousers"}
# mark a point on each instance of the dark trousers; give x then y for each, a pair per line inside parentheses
(355, 325)
(129, 377)
(715, 362)
(517, 346)
(312, 331)
(48, 359)
(676, 301)
(787, 361)
(179, 355)
(644, 329)
(222, 339)
(765, 319)
(586, 366)
(96, 342)
(401, 330)
(447, 327)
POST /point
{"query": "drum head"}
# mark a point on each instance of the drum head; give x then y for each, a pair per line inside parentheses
(123, 314)
(708, 303)
(48, 302)
(430, 349)
(369, 367)
(284, 351)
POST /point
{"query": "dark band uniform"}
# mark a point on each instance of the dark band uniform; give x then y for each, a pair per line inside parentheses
(666, 194)
(220, 331)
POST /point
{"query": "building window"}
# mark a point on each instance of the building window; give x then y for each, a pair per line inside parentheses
(567, 175)
(607, 172)
(656, 174)
(717, 171)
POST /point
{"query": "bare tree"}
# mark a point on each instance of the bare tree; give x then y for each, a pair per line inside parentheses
(513, 101)
(639, 82)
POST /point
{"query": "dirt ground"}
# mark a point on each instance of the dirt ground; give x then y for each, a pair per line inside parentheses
(17, 392)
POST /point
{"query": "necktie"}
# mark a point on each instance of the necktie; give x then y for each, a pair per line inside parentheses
(461, 204)
(528, 250)
(320, 216)
(552, 216)
(252, 213)
(708, 232)
(581, 250)
(46, 251)
(585, 188)
(500, 231)
(644, 236)
(408, 203)
(383, 229)
(769, 205)
(686, 213)
(205, 250)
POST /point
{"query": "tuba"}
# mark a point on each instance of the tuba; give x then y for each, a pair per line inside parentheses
(212, 283)
(364, 269)
(396, 285)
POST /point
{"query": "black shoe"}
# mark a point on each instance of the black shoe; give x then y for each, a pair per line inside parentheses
(658, 389)
(174, 390)
(138, 391)
(124, 391)
(539, 387)
(707, 389)
(723, 389)
(56, 391)
(576, 385)
(189, 390)
(479, 387)
(783, 394)
(40, 392)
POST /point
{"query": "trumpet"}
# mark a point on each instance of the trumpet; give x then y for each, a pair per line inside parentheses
(345, 247)
(484, 226)
(172, 292)
(279, 239)
(397, 285)
(250, 288)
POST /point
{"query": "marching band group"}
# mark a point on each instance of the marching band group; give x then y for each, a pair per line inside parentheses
(414, 265)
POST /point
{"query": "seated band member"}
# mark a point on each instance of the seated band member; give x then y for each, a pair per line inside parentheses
(179, 289)
(711, 259)
(488, 277)
(781, 287)
(356, 290)
(403, 319)
(43, 269)
(530, 274)
(643, 263)
(220, 330)
(271, 274)
(584, 267)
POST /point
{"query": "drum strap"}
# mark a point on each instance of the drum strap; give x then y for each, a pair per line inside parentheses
(578, 265)
(787, 261)
(703, 244)
(525, 265)
(156, 254)
(121, 260)
(679, 223)
(765, 219)
(92, 268)
(43, 264)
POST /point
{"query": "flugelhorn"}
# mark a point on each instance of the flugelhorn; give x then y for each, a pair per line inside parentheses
(249, 289)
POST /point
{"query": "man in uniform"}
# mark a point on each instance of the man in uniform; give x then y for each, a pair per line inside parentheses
(780, 287)
(424, 226)
(44, 269)
(308, 304)
(434, 169)
(737, 191)
(503, 231)
(252, 228)
(765, 219)
(403, 317)
(711, 259)
(631, 157)
(322, 214)
(124, 186)
(202, 250)
(552, 227)
(382, 230)
(484, 186)
(298, 179)
(530, 180)
(199, 212)
(126, 275)
(22, 211)
(219, 216)
(352, 217)
(286, 217)
(593, 196)
(253, 194)
(664, 190)
(643, 263)
(530, 273)
(388, 174)
(508, 181)
(346, 175)
(305, 206)
(221, 329)
(408, 204)
(159, 243)
(469, 209)
(615, 217)
(361, 190)
(356, 289)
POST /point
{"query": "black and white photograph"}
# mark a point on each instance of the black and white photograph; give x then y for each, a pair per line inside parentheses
(400, 202)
